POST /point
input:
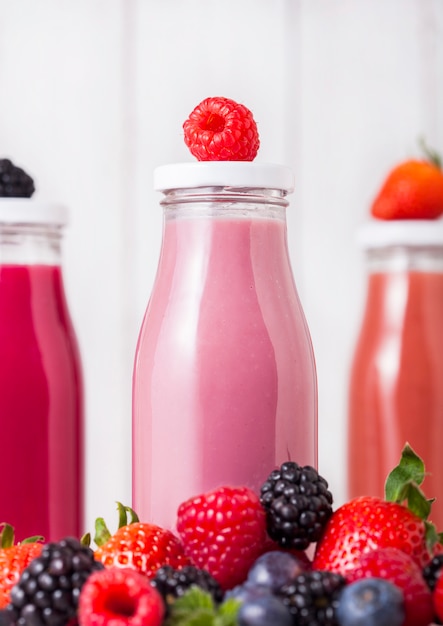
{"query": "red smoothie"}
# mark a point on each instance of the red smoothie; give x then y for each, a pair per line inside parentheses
(396, 389)
(41, 405)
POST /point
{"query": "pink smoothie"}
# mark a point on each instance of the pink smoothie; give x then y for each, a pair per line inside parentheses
(224, 382)
(40, 406)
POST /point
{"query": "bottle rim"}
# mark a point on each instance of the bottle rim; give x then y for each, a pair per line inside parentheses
(226, 174)
(30, 211)
(383, 233)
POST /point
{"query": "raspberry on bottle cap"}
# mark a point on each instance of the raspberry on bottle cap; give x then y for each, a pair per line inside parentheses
(220, 129)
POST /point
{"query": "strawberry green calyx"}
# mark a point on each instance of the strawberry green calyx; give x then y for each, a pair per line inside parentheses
(431, 155)
(403, 486)
(102, 533)
(7, 537)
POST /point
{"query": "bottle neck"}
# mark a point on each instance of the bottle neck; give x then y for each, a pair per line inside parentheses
(225, 202)
(30, 244)
(404, 258)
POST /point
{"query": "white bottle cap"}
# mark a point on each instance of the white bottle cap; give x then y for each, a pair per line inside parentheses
(235, 174)
(29, 211)
(384, 233)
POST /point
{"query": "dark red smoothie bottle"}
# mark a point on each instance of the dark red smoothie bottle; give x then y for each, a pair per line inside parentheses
(396, 382)
(41, 389)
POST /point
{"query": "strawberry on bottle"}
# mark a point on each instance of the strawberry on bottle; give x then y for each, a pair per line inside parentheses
(412, 190)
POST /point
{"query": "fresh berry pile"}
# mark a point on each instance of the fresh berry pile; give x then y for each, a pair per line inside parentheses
(372, 562)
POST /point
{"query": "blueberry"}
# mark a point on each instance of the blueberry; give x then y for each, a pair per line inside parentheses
(264, 611)
(275, 569)
(247, 591)
(371, 602)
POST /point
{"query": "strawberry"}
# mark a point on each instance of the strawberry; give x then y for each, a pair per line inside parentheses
(137, 545)
(224, 532)
(13, 559)
(121, 597)
(367, 523)
(220, 129)
(412, 190)
(401, 570)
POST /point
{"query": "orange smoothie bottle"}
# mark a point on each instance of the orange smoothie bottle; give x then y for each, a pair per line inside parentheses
(396, 381)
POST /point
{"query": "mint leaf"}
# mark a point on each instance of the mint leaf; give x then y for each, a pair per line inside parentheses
(227, 613)
(196, 608)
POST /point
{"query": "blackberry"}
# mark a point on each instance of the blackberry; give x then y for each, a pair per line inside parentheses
(14, 182)
(48, 589)
(8, 616)
(312, 597)
(297, 504)
(432, 571)
(172, 583)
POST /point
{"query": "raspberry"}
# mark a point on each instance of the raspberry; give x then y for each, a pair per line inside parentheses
(223, 531)
(121, 597)
(220, 129)
(14, 182)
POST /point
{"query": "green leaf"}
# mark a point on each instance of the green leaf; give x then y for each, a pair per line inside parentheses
(227, 613)
(432, 155)
(7, 536)
(432, 537)
(102, 534)
(33, 539)
(410, 470)
(417, 502)
(123, 515)
(196, 608)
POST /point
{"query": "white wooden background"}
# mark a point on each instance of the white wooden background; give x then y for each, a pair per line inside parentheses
(92, 97)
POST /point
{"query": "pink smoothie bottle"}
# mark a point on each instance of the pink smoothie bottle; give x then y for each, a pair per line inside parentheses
(41, 393)
(396, 382)
(224, 385)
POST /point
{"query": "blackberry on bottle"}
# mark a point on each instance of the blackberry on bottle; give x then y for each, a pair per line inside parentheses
(312, 597)
(14, 181)
(172, 583)
(297, 503)
(48, 589)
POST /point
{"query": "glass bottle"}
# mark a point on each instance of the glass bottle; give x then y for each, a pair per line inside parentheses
(224, 382)
(41, 393)
(396, 383)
